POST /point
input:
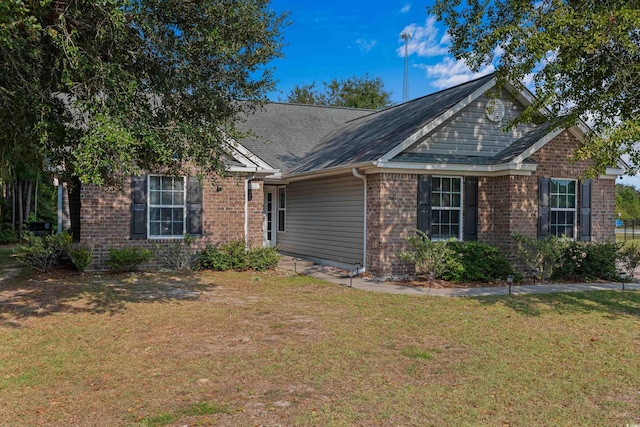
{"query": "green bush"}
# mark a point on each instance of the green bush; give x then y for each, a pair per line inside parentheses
(41, 252)
(629, 257)
(7, 235)
(541, 255)
(235, 256)
(586, 260)
(127, 259)
(430, 256)
(262, 259)
(477, 262)
(80, 255)
(178, 255)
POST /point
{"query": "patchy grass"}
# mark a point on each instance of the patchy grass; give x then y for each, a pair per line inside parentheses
(243, 349)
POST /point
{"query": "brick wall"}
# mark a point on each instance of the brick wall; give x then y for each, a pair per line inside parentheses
(506, 205)
(106, 218)
(391, 217)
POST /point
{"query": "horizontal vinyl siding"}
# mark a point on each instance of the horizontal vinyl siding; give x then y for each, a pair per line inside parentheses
(471, 133)
(325, 219)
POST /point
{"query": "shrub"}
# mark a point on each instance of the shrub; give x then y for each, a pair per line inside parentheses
(429, 256)
(629, 257)
(541, 255)
(479, 262)
(586, 260)
(80, 255)
(127, 259)
(41, 252)
(179, 255)
(262, 259)
(7, 235)
(235, 256)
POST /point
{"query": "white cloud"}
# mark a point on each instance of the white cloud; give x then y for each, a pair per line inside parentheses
(405, 8)
(450, 72)
(366, 45)
(425, 40)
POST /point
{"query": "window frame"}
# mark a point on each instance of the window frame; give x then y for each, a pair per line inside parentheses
(553, 209)
(282, 225)
(151, 206)
(447, 208)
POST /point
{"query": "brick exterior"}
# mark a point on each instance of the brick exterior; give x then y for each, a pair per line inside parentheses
(506, 205)
(106, 218)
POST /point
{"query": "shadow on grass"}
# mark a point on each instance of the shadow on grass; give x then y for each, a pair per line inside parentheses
(611, 303)
(25, 293)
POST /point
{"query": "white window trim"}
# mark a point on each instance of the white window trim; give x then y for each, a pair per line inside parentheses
(575, 208)
(284, 224)
(149, 206)
(461, 208)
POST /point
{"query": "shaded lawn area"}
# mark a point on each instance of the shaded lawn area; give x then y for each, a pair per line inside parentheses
(247, 349)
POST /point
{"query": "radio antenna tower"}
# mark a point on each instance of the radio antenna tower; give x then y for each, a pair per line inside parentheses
(406, 36)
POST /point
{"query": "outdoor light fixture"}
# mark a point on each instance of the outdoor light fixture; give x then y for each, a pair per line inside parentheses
(510, 282)
(432, 276)
(534, 275)
(623, 275)
(295, 267)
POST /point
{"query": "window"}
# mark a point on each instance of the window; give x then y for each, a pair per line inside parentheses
(282, 208)
(562, 217)
(166, 206)
(446, 207)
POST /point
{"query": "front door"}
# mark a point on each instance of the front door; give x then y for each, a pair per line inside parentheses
(269, 228)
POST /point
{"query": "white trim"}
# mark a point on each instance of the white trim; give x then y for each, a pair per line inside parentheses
(363, 177)
(247, 155)
(273, 190)
(437, 121)
(246, 212)
(459, 169)
(574, 210)
(612, 173)
(447, 208)
(149, 206)
(284, 209)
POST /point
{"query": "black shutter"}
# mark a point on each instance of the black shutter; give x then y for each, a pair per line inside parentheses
(470, 208)
(139, 207)
(194, 206)
(544, 190)
(585, 211)
(424, 204)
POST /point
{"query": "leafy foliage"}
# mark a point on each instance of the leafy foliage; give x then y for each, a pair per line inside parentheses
(583, 58)
(629, 257)
(354, 92)
(430, 256)
(109, 87)
(178, 255)
(80, 255)
(586, 260)
(235, 256)
(41, 252)
(479, 262)
(127, 259)
(541, 256)
(627, 202)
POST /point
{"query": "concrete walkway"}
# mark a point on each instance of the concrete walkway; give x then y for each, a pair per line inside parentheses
(366, 284)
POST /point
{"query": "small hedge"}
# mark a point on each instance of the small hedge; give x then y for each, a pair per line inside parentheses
(127, 259)
(235, 256)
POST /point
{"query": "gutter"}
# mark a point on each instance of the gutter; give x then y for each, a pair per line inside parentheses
(358, 175)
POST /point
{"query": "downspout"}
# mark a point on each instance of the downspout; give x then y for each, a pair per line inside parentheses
(60, 186)
(247, 180)
(355, 173)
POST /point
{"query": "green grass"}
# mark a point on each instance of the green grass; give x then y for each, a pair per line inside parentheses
(266, 349)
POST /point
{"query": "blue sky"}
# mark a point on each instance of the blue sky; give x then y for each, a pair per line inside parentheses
(339, 39)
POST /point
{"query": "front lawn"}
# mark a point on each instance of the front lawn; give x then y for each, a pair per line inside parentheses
(244, 349)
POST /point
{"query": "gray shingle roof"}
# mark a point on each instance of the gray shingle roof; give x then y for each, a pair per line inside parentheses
(372, 136)
(288, 132)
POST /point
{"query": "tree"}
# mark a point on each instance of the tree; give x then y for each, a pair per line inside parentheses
(583, 57)
(627, 202)
(354, 92)
(101, 89)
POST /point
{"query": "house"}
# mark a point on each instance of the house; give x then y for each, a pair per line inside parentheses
(346, 187)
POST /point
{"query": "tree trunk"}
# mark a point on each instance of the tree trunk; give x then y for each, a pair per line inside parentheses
(13, 206)
(27, 205)
(20, 210)
(35, 209)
